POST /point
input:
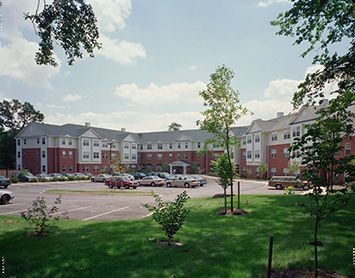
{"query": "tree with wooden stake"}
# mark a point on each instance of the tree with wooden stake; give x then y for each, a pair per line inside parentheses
(222, 112)
(324, 25)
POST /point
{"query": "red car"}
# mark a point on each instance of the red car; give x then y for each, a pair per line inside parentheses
(119, 182)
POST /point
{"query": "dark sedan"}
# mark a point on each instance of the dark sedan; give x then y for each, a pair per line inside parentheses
(4, 182)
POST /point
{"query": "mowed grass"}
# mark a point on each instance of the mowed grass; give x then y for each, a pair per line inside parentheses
(213, 245)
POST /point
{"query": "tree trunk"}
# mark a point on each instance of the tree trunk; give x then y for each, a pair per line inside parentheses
(225, 200)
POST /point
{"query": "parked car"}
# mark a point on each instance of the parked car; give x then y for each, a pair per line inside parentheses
(166, 175)
(131, 177)
(280, 182)
(6, 196)
(4, 182)
(201, 179)
(25, 177)
(120, 181)
(138, 175)
(151, 181)
(100, 177)
(58, 177)
(44, 177)
(183, 181)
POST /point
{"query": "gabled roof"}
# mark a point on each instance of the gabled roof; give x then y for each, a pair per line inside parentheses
(274, 124)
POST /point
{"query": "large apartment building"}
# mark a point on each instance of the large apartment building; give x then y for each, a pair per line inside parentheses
(45, 148)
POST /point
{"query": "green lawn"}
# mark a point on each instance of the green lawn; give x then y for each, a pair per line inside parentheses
(213, 245)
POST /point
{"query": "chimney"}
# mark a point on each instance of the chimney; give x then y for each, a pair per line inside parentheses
(279, 114)
(88, 124)
(123, 129)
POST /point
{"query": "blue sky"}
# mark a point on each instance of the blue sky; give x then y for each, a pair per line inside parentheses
(156, 57)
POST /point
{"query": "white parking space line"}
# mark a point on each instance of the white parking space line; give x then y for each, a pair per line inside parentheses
(12, 212)
(14, 204)
(108, 212)
(70, 210)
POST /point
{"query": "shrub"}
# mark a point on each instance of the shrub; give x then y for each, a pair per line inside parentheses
(41, 217)
(169, 215)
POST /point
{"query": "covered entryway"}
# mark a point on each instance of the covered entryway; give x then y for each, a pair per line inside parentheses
(178, 167)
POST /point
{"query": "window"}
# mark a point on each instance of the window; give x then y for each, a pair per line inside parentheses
(257, 154)
(170, 156)
(186, 145)
(186, 156)
(64, 154)
(43, 154)
(95, 168)
(257, 138)
(104, 145)
(24, 141)
(179, 145)
(18, 154)
(149, 146)
(126, 156)
(86, 142)
(170, 145)
(286, 153)
(274, 136)
(248, 154)
(18, 142)
(287, 135)
(285, 171)
(70, 153)
(70, 168)
(149, 156)
(63, 141)
(244, 142)
(96, 155)
(96, 143)
(159, 156)
(273, 153)
(347, 149)
(249, 140)
(70, 142)
(86, 168)
(134, 156)
(43, 168)
(64, 169)
(43, 140)
(198, 145)
(37, 140)
(160, 146)
(126, 145)
(86, 155)
(273, 171)
(296, 131)
(134, 146)
(244, 155)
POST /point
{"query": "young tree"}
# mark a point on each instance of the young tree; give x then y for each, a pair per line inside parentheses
(222, 112)
(72, 23)
(262, 170)
(324, 25)
(169, 215)
(293, 166)
(221, 167)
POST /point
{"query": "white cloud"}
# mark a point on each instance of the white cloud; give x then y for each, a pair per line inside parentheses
(71, 98)
(168, 95)
(193, 67)
(111, 14)
(17, 62)
(123, 52)
(267, 3)
(281, 88)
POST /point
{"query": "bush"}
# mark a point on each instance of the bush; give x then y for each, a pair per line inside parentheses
(169, 215)
(41, 217)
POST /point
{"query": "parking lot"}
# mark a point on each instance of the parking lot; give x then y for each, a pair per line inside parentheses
(89, 201)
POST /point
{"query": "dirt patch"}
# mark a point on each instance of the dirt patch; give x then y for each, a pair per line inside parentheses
(296, 273)
(230, 212)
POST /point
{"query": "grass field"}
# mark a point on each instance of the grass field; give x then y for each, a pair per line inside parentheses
(213, 245)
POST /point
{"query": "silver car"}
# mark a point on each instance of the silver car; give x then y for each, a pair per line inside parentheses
(101, 178)
(6, 196)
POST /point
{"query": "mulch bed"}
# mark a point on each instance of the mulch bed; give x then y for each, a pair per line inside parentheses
(296, 273)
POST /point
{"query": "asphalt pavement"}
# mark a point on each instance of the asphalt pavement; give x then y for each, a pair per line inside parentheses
(89, 201)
